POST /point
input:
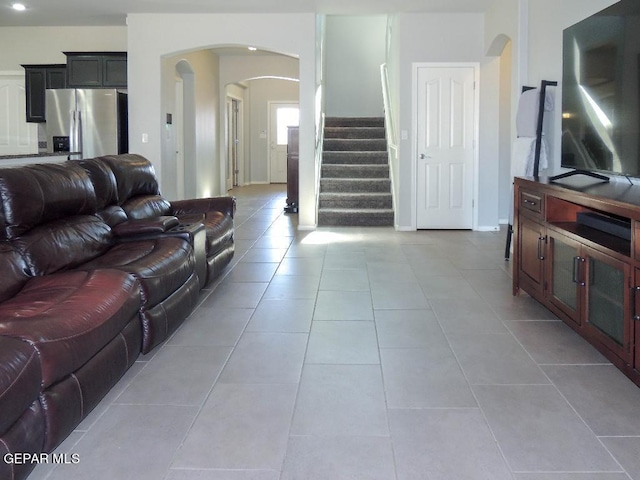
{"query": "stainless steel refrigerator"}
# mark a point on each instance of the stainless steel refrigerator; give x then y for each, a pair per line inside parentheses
(87, 122)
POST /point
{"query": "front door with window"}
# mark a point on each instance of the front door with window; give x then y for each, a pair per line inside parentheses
(282, 116)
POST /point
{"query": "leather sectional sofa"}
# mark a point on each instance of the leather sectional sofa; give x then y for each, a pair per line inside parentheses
(97, 267)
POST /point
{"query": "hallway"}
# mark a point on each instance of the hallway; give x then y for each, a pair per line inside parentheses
(362, 353)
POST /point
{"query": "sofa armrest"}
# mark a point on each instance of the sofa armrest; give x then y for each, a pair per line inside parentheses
(226, 205)
(145, 226)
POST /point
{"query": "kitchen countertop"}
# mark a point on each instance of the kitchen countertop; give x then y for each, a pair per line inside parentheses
(36, 155)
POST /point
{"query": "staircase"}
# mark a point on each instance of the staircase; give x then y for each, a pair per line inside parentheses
(355, 189)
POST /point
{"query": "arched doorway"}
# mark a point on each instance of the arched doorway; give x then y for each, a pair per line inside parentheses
(501, 47)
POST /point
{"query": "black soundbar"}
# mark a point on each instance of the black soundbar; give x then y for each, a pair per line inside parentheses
(613, 226)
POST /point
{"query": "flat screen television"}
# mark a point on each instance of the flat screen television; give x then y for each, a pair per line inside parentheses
(601, 92)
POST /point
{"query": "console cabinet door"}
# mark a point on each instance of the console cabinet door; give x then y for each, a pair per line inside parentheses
(532, 247)
(608, 302)
(565, 275)
(636, 322)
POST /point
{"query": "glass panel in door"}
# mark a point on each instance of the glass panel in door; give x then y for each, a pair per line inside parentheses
(564, 286)
(606, 299)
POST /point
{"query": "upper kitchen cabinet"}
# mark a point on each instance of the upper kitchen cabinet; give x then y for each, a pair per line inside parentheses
(96, 69)
(37, 79)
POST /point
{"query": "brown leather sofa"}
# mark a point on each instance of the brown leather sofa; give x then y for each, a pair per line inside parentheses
(90, 278)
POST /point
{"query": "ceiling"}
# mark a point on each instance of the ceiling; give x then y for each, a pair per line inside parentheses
(114, 12)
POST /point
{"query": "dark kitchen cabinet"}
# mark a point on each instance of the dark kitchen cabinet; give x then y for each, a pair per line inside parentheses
(38, 78)
(96, 69)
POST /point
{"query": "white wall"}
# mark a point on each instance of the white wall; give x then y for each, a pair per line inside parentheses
(393, 73)
(354, 51)
(505, 132)
(545, 53)
(25, 45)
(152, 36)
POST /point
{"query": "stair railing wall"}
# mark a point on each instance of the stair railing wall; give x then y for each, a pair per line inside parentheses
(319, 142)
(392, 139)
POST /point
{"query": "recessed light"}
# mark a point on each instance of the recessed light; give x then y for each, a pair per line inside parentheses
(253, 49)
(18, 6)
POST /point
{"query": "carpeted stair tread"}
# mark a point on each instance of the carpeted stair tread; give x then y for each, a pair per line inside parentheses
(353, 185)
(355, 170)
(355, 144)
(354, 157)
(354, 122)
(360, 200)
(356, 217)
(354, 132)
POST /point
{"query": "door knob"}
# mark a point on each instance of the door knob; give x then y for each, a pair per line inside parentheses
(423, 156)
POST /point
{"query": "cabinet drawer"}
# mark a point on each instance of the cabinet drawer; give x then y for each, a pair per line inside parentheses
(532, 202)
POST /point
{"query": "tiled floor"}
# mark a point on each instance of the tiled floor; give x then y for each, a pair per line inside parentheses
(362, 354)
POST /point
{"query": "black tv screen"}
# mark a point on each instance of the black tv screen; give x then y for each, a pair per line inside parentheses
(601, 92)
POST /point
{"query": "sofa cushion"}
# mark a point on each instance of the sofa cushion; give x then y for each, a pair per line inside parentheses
(162, 265)
(63, 244)
(146, 206)
(14, 271)
(19, 379)
(145, 226)
(218, 225)
(226, 205)
(36, 194)
(68, 317)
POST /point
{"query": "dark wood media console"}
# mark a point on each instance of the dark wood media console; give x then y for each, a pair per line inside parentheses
(587, 273)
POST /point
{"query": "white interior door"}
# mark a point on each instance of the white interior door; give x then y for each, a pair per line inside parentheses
(233, 133)
(446, 146)
(281, 116)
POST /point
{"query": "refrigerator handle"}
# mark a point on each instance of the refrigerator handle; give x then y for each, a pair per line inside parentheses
(79, 133)
(72, 132)
(75, 129)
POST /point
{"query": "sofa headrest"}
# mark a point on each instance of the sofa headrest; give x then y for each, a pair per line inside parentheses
(134, 174)
(36, 194)
(103, 179)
